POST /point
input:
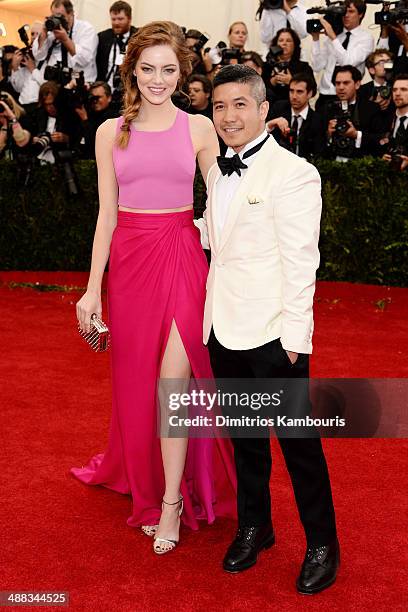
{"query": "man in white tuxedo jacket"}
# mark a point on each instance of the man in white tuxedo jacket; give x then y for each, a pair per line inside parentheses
(262, 226)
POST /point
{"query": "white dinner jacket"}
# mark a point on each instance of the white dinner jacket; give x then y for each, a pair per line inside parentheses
(263, 264)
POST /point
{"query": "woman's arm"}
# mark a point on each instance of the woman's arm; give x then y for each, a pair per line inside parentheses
(107, 219)
(205, 142)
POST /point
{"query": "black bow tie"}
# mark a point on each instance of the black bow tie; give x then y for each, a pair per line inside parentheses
(229, 165)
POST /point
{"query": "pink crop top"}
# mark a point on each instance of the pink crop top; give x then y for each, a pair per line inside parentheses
(157, 169)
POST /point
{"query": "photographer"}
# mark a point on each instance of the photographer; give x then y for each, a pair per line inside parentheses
(394, 37)
(396, 141)
(67, 40)
(199, 89)
(6, 56)
(98, 109)
(14, 127)
(283, 61)
(277, 14)
(354, 128)
(113, 42)
(294, 125)
(238, 36)
(253, 60)
(55, 118)
(350, 47)
(200, 61)
(25, 76)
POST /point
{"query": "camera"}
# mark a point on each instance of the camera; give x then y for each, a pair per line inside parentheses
(396, 150)
(227, 55)
(342, 145)
(26, 50)
(58, 73)
(4, 99)
(391, 16)
(200, 44)
(333, 13)
(273, 62)
(271, 5)
(63, 158)
(56, 22)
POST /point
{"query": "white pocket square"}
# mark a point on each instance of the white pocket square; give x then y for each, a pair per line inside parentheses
(254, 199)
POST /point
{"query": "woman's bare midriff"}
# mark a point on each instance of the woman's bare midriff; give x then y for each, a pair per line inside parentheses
(158, 212)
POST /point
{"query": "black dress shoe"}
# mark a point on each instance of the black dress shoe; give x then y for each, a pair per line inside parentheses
(319, 568)
(248, 543)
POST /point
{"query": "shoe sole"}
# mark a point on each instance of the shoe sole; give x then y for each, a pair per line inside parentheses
(317, 590)
(268, 544)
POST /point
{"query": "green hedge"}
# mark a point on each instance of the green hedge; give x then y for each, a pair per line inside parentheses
(364, 236)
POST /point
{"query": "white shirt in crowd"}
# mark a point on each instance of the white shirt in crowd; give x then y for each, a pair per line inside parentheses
(86, 42)
(116, 56)
(383, 43)
(331, 53)
(227, 185)
(27, 83)
(274, 20)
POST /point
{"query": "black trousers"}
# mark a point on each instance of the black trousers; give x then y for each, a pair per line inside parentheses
(304, 457)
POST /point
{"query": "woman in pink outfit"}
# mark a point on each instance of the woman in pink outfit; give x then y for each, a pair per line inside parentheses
(156, 291)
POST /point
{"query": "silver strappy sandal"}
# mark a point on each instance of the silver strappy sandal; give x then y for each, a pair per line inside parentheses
(170, 543)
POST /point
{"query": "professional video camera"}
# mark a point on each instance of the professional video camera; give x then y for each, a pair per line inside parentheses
(26, 50)
(56, 22)
(273, 62)
(63, 158)
(271, 5)
(333, 13)
(342, 145)
(391, 13)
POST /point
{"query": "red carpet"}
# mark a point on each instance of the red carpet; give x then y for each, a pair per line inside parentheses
(60, 535)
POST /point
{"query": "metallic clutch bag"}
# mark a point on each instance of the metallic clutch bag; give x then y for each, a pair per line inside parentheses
(98, 338)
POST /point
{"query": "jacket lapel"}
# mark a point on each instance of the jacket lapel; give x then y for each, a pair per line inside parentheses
(244, 187)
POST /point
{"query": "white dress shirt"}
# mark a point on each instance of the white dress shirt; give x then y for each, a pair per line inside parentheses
(274, 20)
(86, 43)
(227, 185)
(27, 83)
(116, 56)
(383, 43)
(331, 54)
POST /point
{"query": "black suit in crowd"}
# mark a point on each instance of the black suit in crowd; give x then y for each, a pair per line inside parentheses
(67, 122)
(367, 93)
(400, 140)
(95, 119)
(366, 118)
(311, 137)
(400, 61)
(106, 40)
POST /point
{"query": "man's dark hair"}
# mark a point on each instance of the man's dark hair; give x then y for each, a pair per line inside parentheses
(67, 4)
(296, 41)
(48, 88)
(196, 34)
(370, 61)
(200, 78)
(305, 77)
(403, 76)
(252, 56)
(106, 87)
(237, 73)
(119, 6)
(355, 73)
(360, 6)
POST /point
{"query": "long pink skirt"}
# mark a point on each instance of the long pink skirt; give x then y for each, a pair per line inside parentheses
(157, 274)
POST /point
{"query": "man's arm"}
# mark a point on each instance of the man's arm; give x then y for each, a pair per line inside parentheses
(86, 43)
(297, 219)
